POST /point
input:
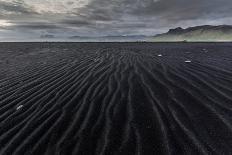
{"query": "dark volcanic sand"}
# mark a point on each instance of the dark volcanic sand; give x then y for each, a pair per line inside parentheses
(115, 98)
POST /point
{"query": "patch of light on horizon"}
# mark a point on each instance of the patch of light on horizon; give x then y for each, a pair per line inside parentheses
(5, 23)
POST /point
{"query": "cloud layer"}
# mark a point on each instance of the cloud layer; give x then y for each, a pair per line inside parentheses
(27, 19)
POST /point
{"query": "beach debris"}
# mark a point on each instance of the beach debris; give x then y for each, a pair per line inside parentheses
(160, 55)
(19, 107)
(205, 50)
(188, 61)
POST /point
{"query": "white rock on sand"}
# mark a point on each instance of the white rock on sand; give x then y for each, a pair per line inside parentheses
(205, 50)
(188, 61)
(19, 107)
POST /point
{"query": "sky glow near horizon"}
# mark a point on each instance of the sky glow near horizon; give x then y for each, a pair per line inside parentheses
(36, 19)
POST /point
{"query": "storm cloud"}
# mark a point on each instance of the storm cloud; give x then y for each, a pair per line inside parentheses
(64, 18)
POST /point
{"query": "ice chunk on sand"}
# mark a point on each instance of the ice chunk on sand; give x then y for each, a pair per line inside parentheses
(205, 50)
(19, 107)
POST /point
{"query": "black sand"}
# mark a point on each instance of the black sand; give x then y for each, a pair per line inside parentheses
(115, 98)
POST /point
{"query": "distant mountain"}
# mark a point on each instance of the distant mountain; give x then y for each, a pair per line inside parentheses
(205, 33)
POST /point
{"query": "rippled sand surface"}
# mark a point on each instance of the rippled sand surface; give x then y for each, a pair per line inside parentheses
(115, 98)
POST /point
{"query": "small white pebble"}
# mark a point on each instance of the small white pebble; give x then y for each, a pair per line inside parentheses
(205, 50)
(188, 61)
(160, 55)
(19, 107)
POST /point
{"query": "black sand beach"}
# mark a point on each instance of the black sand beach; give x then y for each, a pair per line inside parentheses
(115, 98)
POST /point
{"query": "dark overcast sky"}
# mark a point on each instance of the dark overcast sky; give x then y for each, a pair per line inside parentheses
(31, 19)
